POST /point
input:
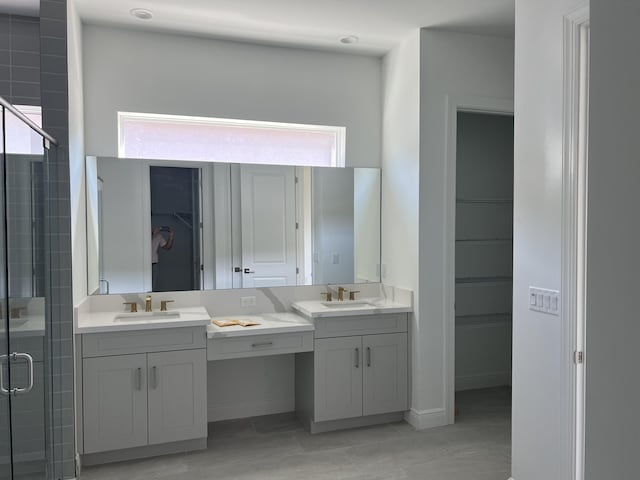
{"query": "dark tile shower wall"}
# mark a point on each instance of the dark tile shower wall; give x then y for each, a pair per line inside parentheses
(54, 97)
(20, 59)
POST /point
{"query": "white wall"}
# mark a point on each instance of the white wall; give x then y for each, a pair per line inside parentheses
(537, 433)
(400, 179)
(76, 153)
(127, 70)
(613, 330)
(453, 66)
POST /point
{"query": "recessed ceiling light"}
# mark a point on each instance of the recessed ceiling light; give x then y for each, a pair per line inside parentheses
(349, 39)
(141, 13)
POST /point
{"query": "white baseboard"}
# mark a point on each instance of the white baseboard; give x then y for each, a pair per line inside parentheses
(231, 411)
(483, 380)
(423, 419)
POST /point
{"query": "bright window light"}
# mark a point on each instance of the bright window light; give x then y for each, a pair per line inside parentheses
(173, 137)
(20, 138)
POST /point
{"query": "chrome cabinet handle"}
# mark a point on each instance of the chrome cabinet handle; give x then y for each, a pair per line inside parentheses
(23, 356)
(139, 378)
(357, 358)
(263, 344)
(368, 356)
(154, 377)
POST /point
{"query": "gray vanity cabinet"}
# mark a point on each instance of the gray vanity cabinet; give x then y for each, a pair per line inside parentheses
(354, 376)
(338, 378)
(384, 373)
(115, 402)
(177, 396)
(143, 388)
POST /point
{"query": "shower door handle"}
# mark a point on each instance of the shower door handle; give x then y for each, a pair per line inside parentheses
(3, 389)
(23, 356)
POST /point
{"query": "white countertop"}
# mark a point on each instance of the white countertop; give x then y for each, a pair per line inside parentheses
(269, 323)
(30, 325)
(348, 308)
(96, 322)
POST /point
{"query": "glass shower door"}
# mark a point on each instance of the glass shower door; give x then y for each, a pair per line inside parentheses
(5, 412)
(25, 284)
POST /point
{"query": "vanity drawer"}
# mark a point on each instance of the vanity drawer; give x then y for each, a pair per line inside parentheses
(259, 345)
(143, 341)
(328, 327)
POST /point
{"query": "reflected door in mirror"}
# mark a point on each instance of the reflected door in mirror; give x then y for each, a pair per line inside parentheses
(268, 225)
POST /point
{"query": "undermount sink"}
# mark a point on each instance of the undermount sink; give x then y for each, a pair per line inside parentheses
(129, 316)
(346, 304)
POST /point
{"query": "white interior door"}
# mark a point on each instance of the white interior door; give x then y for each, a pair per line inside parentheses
(268, 225)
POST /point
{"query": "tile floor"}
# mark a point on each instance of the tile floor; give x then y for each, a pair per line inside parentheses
(274, 447)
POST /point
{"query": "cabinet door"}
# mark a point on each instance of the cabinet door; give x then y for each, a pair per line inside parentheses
(177, 395)
(384, 373)
(338, 378)
(114, 402)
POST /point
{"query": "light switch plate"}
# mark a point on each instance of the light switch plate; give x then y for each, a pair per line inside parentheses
(544, 300)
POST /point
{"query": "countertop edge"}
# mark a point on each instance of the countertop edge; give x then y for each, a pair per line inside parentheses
(82, 330)
(351, 312)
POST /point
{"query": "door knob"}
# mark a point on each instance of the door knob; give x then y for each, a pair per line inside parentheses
(248, 270)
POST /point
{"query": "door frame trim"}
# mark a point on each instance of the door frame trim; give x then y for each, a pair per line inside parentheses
(573, 230)
(455, 104)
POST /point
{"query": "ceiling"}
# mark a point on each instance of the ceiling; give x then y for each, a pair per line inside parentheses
(379, 24)
(20, 7)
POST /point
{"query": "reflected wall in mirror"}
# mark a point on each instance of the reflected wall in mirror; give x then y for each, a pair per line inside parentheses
(176, 225)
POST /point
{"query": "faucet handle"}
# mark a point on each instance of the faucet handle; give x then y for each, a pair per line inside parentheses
(163, 305)
(328, 296)
(352, 294)
(133, 306)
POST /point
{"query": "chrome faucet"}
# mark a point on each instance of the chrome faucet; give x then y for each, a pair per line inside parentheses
(147, 304)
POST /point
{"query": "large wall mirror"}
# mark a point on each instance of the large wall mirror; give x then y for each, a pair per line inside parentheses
(173, 226)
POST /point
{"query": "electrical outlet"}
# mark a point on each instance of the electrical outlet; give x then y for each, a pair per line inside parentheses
(247, 301)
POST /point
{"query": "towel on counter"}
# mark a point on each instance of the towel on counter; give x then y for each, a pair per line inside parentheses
(232, 322)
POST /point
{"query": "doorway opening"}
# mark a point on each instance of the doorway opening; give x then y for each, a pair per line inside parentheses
(175, 228)
(483, 260)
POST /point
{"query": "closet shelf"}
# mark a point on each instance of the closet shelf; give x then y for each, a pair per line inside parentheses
(468, 280)
(485, 315)
(485, 240)
(491, 201)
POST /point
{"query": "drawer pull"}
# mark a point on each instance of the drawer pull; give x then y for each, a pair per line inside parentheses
(368, 356)
(357, 358)
(139, 378)
(262, 344)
